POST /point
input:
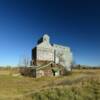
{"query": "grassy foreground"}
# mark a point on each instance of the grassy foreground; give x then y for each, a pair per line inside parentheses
(80, 85)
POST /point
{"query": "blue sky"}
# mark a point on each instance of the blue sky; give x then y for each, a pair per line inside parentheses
(74, 23)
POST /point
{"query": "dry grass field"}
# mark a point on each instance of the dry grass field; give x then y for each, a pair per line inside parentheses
(81, 84)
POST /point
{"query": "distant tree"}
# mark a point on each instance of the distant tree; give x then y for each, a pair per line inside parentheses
(77, 66)
(24, 61)
(8, 67)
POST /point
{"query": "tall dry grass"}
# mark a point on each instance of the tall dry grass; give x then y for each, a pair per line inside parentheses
(79, 85)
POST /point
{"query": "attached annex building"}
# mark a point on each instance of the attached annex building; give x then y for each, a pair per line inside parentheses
(51, 59)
